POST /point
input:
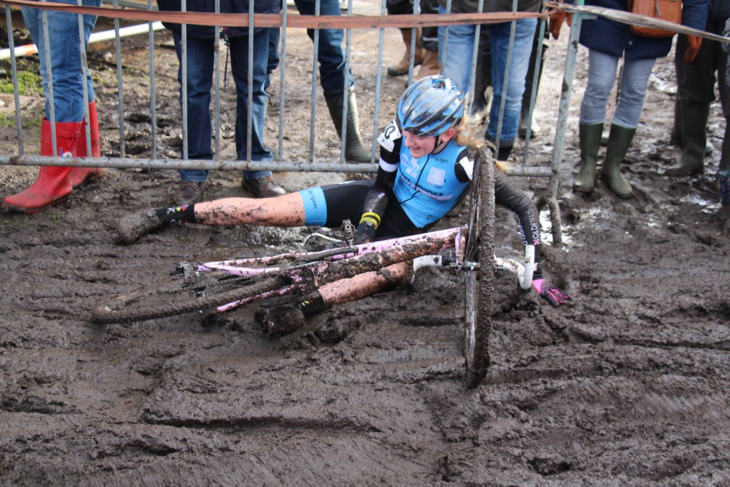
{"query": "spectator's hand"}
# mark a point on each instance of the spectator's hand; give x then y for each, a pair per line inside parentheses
(694, 47)
(364, 233)
(556, 22)
(555, 296)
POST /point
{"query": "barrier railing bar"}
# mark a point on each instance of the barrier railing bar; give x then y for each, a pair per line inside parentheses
(153, 108)
(223, 165)
(562, 124)
(474, 57)
(14, 68)
(378, 82)
(85, 79)
(50, 102)
(217, 92)
(446, 33)
(533, 89)
(346, 87)
(313, 101)
(118, 47)
(282, 80)
(184, 83)
(309, 22)
(249, 81)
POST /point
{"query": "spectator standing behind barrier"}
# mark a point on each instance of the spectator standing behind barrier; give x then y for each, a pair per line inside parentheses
(607, 42)
(426, 53)
(459, 50)
(55, 183)
(200, 65)
(696, 90)
(483, 81)
(331, 58)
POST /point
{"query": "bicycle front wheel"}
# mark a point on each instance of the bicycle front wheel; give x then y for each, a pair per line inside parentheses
(479, 281)
(174, 299)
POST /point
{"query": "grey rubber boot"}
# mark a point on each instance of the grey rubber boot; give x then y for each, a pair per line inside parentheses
(355, 150)
(619, 141)
(694, 140)
(590, 142)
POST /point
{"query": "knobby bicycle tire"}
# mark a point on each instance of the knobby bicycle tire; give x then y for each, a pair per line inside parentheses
(479, 283)
(161, 302)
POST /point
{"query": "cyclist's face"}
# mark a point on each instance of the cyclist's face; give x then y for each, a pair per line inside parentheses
(419, 146)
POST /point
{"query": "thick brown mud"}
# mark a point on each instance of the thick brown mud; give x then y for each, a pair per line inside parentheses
(628, 384)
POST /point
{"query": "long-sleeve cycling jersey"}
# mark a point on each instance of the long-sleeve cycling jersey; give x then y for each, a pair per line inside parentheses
(429, 187)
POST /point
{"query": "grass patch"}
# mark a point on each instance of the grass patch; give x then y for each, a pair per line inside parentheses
(28, 83)
(8, 120)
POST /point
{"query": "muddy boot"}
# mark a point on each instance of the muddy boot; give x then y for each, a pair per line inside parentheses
(590, 141)
(281, 320)
(430, 66)
(52, 185)
(82, 175)
(355, 150)
(694, 140)
(401, 67)
(132, 227)
(619, 141)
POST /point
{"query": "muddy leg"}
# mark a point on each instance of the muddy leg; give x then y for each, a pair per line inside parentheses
(282, 211)
(363, 285)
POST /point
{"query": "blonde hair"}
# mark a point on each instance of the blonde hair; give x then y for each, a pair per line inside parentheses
(464, 135)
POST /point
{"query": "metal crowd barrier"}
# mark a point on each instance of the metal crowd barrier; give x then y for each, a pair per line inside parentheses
(252, 20)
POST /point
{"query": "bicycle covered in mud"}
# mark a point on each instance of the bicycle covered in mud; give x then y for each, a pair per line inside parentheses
(226, 285)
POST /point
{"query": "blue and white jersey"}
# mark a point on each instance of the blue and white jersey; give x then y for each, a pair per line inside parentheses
(427, 187)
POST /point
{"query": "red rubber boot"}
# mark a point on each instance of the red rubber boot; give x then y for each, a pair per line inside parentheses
(82, 175)
(52, 185)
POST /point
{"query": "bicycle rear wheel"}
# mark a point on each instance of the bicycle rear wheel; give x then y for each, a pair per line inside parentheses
(479, 282)
(174, 299)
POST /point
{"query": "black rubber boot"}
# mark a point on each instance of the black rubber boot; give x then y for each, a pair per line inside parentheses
(676, 136)
(355, 150)
(527, 95)
(694, 140)
(590, 142)
(619, 141)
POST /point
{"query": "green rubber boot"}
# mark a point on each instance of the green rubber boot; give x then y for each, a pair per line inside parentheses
(590, 142)
(619, 141)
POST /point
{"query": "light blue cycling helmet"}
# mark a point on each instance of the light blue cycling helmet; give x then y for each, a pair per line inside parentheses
(430, 107)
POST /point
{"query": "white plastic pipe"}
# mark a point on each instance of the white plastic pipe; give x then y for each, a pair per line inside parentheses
(106, 35)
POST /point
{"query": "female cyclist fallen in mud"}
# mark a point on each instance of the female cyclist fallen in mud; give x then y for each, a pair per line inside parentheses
(424, 170)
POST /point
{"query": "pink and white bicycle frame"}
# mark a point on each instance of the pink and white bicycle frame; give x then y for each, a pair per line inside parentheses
(318, 268)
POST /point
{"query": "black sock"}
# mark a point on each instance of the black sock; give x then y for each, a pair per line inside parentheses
(312, 305)
(180, 214)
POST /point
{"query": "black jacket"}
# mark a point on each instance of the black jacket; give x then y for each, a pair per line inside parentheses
(226, 6)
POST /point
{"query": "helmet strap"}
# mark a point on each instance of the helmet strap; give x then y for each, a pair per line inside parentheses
(437, 145)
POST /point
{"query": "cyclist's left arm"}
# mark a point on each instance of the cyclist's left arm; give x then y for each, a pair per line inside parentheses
(376, 200)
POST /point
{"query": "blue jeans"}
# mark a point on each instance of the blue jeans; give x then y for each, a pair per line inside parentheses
(457, 66)
(200, 53)
(331, 56)
(68, 79)
(601, 77)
